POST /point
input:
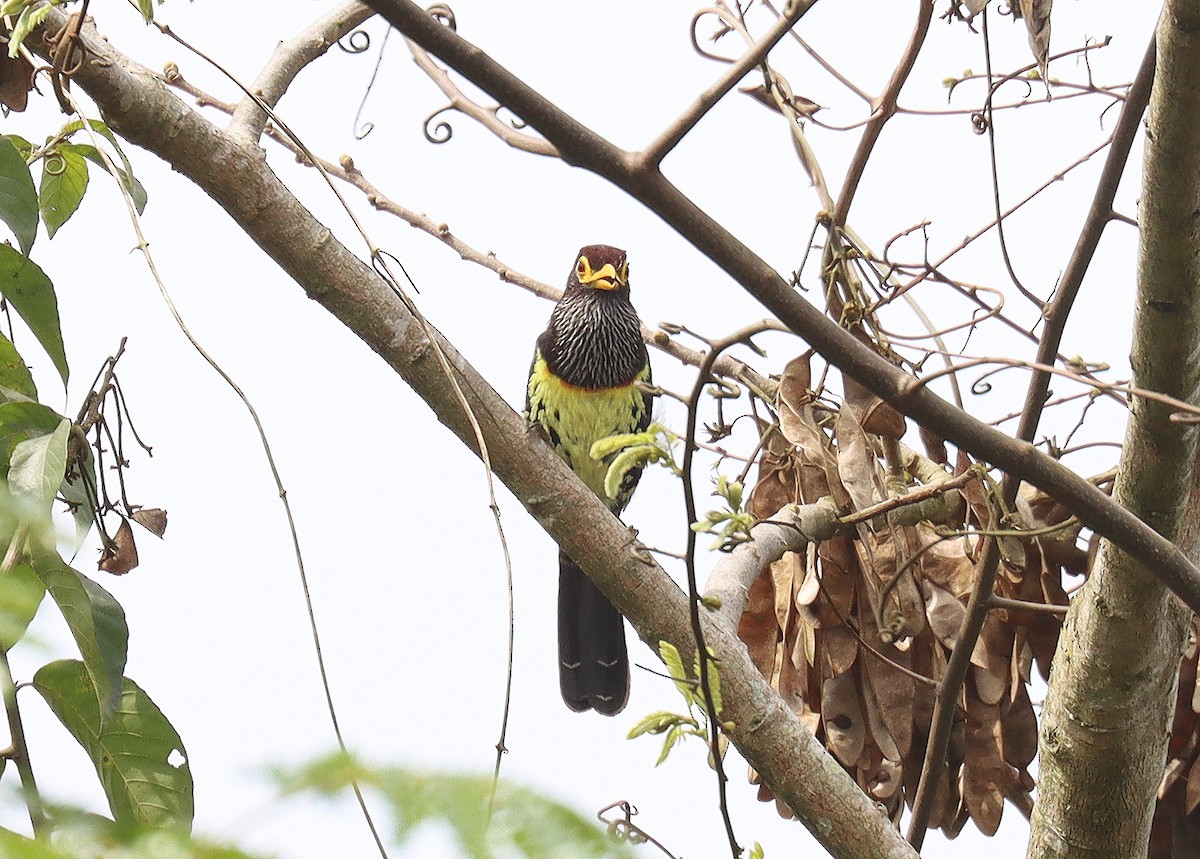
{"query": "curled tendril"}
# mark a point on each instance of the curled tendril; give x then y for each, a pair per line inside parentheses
(54, 164)
(981, 385)
(362, 129)
(355, 42)
(725, 28)
(623, 829)
(979, 122)
(442, 131)
(444, 15)
(514, 121)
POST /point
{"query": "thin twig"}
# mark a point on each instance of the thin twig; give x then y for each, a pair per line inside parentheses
(19, 751)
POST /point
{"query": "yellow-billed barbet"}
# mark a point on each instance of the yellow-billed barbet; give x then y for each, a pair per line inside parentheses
(582, 388)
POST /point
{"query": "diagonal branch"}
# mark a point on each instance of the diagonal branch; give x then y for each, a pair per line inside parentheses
(289, 59)
(233, 173)
(582, 147)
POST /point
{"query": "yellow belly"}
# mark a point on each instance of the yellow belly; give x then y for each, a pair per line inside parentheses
(576, 418)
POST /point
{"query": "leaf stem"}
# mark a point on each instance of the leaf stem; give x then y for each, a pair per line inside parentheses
(19, 751)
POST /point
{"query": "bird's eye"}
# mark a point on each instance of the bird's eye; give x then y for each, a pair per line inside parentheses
(581, 268)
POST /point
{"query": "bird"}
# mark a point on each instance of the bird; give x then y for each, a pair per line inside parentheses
(588, 382)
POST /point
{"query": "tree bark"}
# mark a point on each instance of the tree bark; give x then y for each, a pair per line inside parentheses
(1112, 691)
(233, 171)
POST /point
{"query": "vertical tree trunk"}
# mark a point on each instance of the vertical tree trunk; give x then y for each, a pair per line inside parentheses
(1112, 690)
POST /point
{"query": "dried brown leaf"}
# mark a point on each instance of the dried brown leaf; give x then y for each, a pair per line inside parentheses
(800, 104)
(855, 460)
(758, 627)
(841, 714)
(16, 80)
(898, 606)
(1019, 731)
(839, 649)
(893, 690)
(777, 483)
(1192, 796)
(1037, 26)
(990, 660)
(786, 575)
(944, 612)
(986, 777)
(839, 572)
(121, 555)
(946, 563)
(153, 519)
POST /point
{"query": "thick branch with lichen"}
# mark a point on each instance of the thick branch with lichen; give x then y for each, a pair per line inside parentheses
(233, 172)
(584, 148)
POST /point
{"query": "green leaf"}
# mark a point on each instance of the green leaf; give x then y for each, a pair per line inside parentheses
(79, 835)
(18, 198)
(21, 592)
(14, 373)
(138, 755)
(39, 466)
(136, 191)
(14, 846)
(757, 852)
(74, 490)
(657, 723)
(673, 736)
(146, 7)
(21, 420)
(127, 177)
(64, 182)
(12, 7)
(31, 18)
(96, 621)
(674, 662)
(31, 293)
(523, 823)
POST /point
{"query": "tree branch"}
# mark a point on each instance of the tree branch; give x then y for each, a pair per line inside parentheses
(288, 60)
(582, 147)
(233, 172)
(1109, 710)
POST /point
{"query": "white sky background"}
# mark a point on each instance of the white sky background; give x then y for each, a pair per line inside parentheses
(403, 559)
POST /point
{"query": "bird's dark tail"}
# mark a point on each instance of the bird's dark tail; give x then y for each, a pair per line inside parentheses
(593, 664)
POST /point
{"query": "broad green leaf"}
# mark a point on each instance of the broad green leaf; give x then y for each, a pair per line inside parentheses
(31, 18)
(14, 846)
(14, 373)
(74, 491)
(21, 420)
(18, 198)
(31, 293)
(103, 130)
(96, 621)
(138, 755)
(23, 145)
(91, 836)
(39, 466)
(136, 191)
(64, 182)
(21, 592)
(523, 823)
(12, 7)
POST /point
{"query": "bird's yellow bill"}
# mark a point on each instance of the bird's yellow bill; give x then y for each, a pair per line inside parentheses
(604, 277)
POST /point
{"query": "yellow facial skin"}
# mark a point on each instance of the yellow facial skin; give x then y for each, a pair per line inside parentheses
(606, 277)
